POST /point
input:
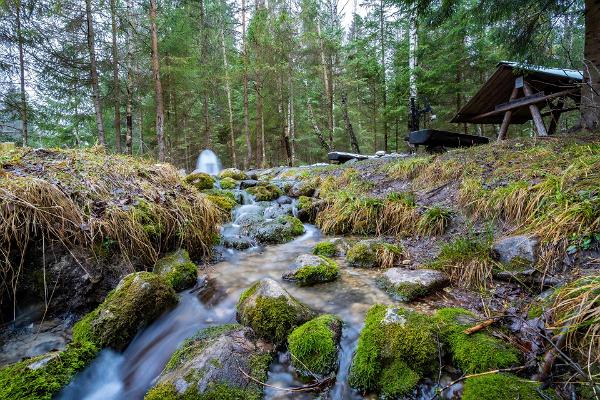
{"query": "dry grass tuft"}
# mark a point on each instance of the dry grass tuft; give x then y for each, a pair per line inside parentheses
(348, 213)
(577, 310)
(407, 168)
(434, 221)
(399, 215)
(388, 255)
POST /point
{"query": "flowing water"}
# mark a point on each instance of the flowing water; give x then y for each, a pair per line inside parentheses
(208, 162)
(130, 374)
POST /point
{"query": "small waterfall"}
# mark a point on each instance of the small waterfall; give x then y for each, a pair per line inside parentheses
(208, 162)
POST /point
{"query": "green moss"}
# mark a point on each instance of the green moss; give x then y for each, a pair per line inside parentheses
(224, 202)
(361, 255)
(326, 249)
(177, 269)
(271, 318)
(478, 352)
(535, 311)
(305, 203)
(398, 379)
(259, 366)
(502, 387)
(265, 192)
(215, 391)
(326, 271)
(404, 291)
(392, 354)
(248, 292)
(144, 214)
(200, 180)
(162, 391)
(297, 226)
(313, 345)
(228, 183)
(20, 381)
(233, 173)
(139, 298)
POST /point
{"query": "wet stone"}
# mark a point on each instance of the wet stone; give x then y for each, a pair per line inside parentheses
(519, 249)
(407, 285)
(277, 210)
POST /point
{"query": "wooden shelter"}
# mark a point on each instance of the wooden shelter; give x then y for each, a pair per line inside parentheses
(518, 93)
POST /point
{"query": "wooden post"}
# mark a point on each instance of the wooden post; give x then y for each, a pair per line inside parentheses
(556, 116)
(507, 116)
(535, 112)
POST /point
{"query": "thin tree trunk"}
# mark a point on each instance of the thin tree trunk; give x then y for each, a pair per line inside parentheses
(291, 121)
(383, 78)
(348, 123)
(129, 85)
(412, 55)
(590, 92)
(94, 73)
(116, 84)
(160, 109)
(318, 131)
(203, 51)
(327, 86)
(23, 110)
(248, 156)
(228, 91)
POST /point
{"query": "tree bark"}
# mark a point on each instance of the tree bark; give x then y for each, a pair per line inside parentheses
(158, 94)
(413, 41)
(116, 84)
(94, 73)
(348, 123)
(129, 85)
(590, 92)
(24, 119)
(248, 156)
(228, 92)
(383, 78)
(327, 86)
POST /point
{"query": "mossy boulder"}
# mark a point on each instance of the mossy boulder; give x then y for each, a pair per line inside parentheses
(177, 269)
(374, 253)
(308, 208)
(304, 188)
(137, 300)
(314, 345)
(327, 249)
(200, 180)
(395, 349)
(233, 173)
(278, 210)
(478, 352)
(407, 285)
(224, 200)
(503, 387)
(280, 230)
(42, 377)
(265, 191)
(213, 364)
(228, 183)
(309, 269)
(271, 311)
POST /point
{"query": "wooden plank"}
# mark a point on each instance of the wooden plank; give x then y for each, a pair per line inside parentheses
(532, 100)
(538, 121)
(507, 116)
(522, 102)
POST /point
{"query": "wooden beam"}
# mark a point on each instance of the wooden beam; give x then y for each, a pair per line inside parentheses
(561, 111)
(538, 121)
(522, 102)
(519, 104)
(556, 115)
(507, 116)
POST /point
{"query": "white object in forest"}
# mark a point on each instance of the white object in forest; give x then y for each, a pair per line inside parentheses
(208, 162)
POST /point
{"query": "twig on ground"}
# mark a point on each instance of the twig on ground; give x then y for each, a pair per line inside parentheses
(305, 388)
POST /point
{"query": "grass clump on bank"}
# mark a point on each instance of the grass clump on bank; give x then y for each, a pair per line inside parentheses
(314, 345)
(467, 261)
(434, 221)
(349, 213)
(503, 387)
(398, 216)
(374, 254)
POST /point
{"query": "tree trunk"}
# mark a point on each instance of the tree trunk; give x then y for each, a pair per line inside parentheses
(129, 86)
(412, 55)
(228, 92)
(327, 86)
(248, 156)
(24, 122)
(94, 73)
(160, 112)
(116, 84)
(318, 131)
(348, 123)
(590, 92)
(291, 122)
(383, 78)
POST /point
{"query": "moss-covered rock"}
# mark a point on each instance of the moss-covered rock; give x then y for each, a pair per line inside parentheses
(503, 387)
(213, 364)
(309, 269)
(271, 311)
(478, 352)
(314, 345)
(374, 254)
(177, 269)
(280, 230)
(396, 347)
(40, 378)
(304, 188)
(139, 299)
(407, 285)
(200, 180)
(327, 249)
(265, 191)
(228, 183)
(233, 173)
